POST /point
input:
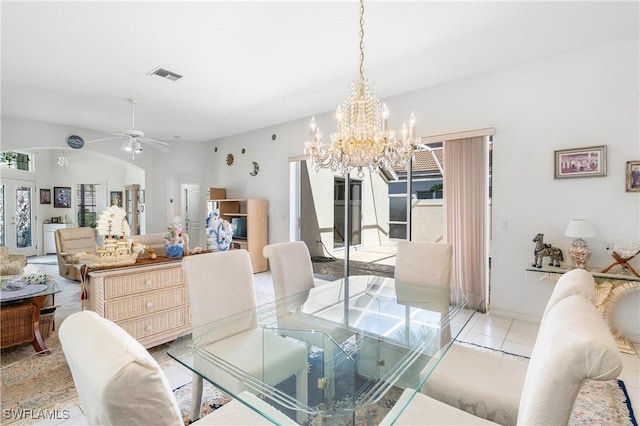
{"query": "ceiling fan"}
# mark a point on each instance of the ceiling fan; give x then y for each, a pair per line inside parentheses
(134, 139)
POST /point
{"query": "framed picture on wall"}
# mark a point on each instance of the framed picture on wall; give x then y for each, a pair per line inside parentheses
(45, 196)
(633, 176)
(116, 198)
(581, 162)
(62, 196)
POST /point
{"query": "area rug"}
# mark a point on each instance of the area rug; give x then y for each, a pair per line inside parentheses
(212, 399)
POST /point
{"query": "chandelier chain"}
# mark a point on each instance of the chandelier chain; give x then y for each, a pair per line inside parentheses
(362, 39)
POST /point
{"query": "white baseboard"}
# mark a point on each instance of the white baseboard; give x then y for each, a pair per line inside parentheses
(632, 337)
(515, 315)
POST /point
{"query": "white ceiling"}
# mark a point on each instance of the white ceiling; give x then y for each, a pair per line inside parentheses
(247, 65)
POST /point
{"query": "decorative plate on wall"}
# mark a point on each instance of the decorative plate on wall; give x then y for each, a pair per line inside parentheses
(75, 142)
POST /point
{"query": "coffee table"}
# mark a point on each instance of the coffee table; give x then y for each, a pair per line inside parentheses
(365, 337)
(21, 314)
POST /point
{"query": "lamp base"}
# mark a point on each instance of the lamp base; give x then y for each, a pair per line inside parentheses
(579, 253)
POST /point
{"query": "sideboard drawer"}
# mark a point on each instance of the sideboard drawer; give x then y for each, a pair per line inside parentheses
(155, 324)
(145, 303)
(117, 286)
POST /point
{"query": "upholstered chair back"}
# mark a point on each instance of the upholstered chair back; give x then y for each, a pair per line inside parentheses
(575, 282)
(423, 262)
(70, 241)
(221, 285)
(118, 381)
(291, 270)
(573, 344)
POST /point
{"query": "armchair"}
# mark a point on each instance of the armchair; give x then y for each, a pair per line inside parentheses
(69, 242)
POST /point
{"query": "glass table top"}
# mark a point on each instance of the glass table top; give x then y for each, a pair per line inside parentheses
(8, 293)
(356, 340)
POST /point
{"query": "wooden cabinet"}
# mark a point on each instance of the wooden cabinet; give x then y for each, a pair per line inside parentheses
(150, 302)
(252, 214)
(49, 241)
(131, 206)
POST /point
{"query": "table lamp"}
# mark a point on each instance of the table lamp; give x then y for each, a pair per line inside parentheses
(579, 252)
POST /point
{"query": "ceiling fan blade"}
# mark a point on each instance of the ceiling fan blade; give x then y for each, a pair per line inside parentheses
(157, 141)
(160, 145)
(105, 139)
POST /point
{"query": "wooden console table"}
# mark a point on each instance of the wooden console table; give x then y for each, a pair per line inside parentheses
(149, 299)
(610, 288)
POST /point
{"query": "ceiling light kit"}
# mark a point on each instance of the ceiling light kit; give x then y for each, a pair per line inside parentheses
(363, 139)
(134, 139)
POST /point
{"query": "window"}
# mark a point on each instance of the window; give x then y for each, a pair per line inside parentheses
(86, 194)
(15, 160)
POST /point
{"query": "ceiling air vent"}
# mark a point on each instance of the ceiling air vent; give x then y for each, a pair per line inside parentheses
(166, 74)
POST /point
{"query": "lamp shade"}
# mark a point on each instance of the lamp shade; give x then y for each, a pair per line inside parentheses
(579, 228)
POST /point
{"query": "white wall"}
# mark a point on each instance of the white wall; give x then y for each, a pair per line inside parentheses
(581, 98)
(106, 162)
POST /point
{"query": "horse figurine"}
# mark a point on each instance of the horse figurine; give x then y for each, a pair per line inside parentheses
(542, 250)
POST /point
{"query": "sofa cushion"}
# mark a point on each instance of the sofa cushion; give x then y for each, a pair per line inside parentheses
(573, 344)
(127, 387)
(423, 410)
(492, 393)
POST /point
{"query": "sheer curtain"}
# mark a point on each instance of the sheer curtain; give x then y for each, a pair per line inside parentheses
(465, 212)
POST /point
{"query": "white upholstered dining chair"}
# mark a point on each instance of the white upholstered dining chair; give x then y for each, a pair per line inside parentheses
(221, 285)
(119, 382)
(424, 262)
(429, 264)
(574, 344)
(291, 271)
(496, 388)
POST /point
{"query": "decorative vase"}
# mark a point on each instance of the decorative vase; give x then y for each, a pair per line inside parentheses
(174, 250)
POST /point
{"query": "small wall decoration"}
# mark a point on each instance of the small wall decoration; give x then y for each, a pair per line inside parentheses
(633, 176)
(62, 196)
(45, 196)
(256, 168)
(116, 198)
(229, 159)
(581, 162)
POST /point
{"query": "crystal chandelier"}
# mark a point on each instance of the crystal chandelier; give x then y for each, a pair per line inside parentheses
(363, 139)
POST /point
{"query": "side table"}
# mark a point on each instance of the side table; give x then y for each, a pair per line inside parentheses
(20, 317)
(610, 288)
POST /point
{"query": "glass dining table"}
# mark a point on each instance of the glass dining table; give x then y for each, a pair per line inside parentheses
(366, 339)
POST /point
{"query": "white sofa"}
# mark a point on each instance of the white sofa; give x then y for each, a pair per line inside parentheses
(487, 384)
(574, 344)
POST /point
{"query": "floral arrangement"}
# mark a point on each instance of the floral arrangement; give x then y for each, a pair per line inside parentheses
(219, 231)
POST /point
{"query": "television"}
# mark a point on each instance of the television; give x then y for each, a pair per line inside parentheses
(239, 225)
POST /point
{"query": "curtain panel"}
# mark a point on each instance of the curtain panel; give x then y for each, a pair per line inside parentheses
(465, 187)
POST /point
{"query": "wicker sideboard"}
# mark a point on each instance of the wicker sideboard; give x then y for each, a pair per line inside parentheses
(151, 302)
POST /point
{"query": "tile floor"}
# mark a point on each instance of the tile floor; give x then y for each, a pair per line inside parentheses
(501, 333)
